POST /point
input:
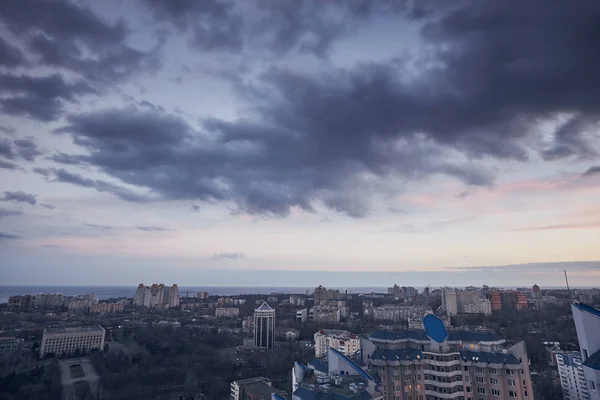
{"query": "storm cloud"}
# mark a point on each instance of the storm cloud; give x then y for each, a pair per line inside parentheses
(19, 197)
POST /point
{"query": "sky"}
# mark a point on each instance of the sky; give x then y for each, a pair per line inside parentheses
(224, 142)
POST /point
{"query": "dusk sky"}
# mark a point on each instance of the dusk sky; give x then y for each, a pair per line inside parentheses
(239, 142)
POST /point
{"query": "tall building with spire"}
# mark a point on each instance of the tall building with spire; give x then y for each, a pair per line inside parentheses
(264, 327)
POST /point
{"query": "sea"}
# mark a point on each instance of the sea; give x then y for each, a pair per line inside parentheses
(107, 292)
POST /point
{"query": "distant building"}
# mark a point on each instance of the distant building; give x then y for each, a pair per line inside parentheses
(449, 301)
(264, 326)
(587, 323)
(21, 303)
(395, 313)
(536, 289)
(107, 307)
(49, 300)
(325, 314)
(258, 388)
(296, 300)
(496, 302)
(157, 295)
(68, 340)
(343, 341)
(302, 316)
(572, 378)
(228, 312)
(202, 295)
(10, 346)
(512, 300)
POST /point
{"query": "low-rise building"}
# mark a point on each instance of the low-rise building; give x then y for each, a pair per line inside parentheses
(10, 346)
(345, 342)
(227, 312)
(108, 308)
(258, 388)
(68, 340)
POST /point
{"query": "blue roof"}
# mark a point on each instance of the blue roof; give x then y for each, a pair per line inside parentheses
(393, 355)
(319, 365)
(399, 335)
(470, 336)
(275, 396)
(434, 328)
(593, 361)
(496, 358)
(352, 364)
(586, 308)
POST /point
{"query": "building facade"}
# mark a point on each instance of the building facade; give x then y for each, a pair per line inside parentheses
(397, 314)
(264, 327)
(587, 323)
(9, 346)
(258, 388)
(345, 342)
(572, 378)
(302, 316)
(157, 295)
(227, 312)
(67, 341)
(449, 301)
(441, 364)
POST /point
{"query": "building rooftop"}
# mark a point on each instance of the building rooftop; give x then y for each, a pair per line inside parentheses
(350, 387)
(593, 361)
(586, 308)
(319, 365)
(264, 307)
(262, 391)
(494, 358)
(472, 336)
(337, 332)
(352, 364)
(74, 329)
(401, 354)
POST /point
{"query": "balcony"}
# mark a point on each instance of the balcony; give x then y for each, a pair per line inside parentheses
(445, 395)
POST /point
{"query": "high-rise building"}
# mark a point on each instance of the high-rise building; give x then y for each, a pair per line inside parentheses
(449, 301)
(441, 364)
(264, 327)
(302, 316)
(320, 294)
(21, 303)
(572, 378)
(157, 295)
(345, 342)
(587, 323)
(496, 302)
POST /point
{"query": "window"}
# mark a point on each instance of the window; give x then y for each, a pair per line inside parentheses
(525, 392)
(494, 381)
(468, 389)
(496, 392)
(511, 382)
(481, 390)
(480, 379)
(479, 369)
(466, 368)
(593, 385)
(493, 371)
(512, 394)
(509, 371)
(524, 382)
(585, 354)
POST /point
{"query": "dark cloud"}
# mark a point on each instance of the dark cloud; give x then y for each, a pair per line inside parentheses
(153, 229)
(228, 256)
(67, 159)
(463, 194)
(97, 226)
(195, 208)
(25, 148)
(19, 197)
(7, 129)
(8, 165)
(41, 98)
(10, 56)
(42, 171)
(63, 34)
(8, 236)
(9, 213)
(592, 171)
(62, 175)
(48, 206)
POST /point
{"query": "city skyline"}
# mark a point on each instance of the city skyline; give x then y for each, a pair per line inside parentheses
(144, 141)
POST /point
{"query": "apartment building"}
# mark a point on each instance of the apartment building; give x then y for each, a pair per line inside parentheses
(587, 323)
(68, 340)
(572, 378)
(440, 364)
(395, 313)
(345, 342)
(258, 388)
(227, 312)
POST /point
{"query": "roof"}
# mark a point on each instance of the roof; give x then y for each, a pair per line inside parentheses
(472, 336)
(306, 394)
(264, 307)
(593, 361)
(73, 329)
(352, 364)
(434, 328)
(275, 396)
(319, 365)
(495, 358)
(587, 308)
(396, 355)
(398, 335)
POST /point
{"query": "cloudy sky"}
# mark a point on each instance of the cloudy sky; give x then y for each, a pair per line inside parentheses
(235, 142)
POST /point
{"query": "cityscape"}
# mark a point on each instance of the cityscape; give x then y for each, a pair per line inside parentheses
(299, 200)
(398, 343)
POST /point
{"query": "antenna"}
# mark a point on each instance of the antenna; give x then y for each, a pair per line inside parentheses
(567, 280)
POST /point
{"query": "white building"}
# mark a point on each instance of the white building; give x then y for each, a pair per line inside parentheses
(572, 378)
(59, 341)
(302, 315)
(587, 323)
(449, 301)
(264, 326)
(227, 312)
(325, 315)
(157, 295)
(396, 313)
(345, 342)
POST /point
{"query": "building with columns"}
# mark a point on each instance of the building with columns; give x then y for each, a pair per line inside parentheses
(264, 327)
